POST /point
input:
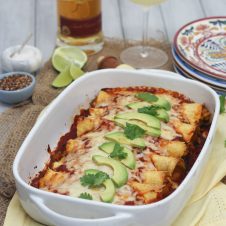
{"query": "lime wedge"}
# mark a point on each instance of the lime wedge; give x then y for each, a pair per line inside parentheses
(59, 62)
(75, 71)
(63, 79)
(67, 55)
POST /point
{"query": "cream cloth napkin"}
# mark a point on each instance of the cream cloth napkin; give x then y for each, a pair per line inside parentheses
(207, 206)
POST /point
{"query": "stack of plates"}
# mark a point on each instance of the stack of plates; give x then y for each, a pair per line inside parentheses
(199, 52)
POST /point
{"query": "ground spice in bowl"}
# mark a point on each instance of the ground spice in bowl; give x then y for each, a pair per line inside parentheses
(15, 82)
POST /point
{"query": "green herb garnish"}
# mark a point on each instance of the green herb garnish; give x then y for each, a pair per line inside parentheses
(222, 104)
(225, 143)
(86, 195)
(150, 110)
(147, 97)
(94, 180)
(133, 131)
(118, 152)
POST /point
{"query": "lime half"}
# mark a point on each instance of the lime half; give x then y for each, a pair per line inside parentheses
(67, 55)
(63, 79)
(75, 71)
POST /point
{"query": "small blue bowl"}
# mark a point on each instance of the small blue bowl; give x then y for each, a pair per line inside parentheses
(17, 96)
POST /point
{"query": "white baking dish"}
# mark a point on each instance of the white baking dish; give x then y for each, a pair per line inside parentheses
(54, 209)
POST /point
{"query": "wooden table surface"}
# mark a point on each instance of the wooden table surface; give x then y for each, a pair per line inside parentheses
(18, 18)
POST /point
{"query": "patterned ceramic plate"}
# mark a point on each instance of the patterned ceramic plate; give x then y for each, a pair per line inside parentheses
(218, 90)
(202, 44)
(187, 75)
(197, 74)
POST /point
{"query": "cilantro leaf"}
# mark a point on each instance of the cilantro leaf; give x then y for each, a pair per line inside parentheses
(118, 152)
(150, 110)
(133, 131)
(222, 102)
(100, 177)
(147, 97)
(88, 180)
(94, 180)
(86, 195)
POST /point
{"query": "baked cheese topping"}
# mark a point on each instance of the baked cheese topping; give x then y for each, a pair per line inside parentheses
(133, 146)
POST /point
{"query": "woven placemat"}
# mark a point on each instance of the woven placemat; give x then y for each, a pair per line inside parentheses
(16, 122)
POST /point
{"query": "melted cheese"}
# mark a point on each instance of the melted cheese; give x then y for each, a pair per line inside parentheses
(154, 164)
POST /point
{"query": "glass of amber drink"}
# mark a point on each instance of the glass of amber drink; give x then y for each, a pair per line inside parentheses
(80, 24)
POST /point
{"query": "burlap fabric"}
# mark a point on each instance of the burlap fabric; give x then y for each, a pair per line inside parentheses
(16, 123)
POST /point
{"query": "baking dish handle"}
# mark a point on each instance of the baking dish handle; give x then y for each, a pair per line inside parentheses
(58, 219)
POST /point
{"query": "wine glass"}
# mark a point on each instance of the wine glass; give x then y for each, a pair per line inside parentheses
(144, 56)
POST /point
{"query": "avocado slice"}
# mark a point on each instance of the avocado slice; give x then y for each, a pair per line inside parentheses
(122, 139)
(148, 119)
(148, 130)
(108, 194)
(129, 161)
(163, 102)
(120, 176)
(162, 113)
(137, 105)
(155, 100)
(91, 171)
